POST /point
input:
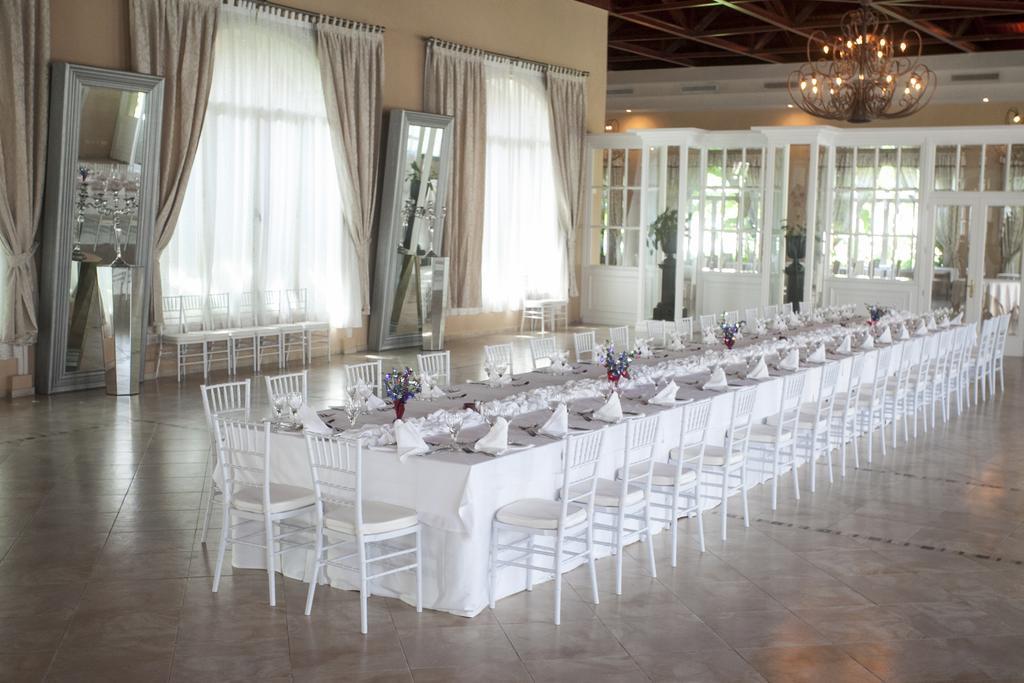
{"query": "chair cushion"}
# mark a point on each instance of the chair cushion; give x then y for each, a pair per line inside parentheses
(768, 434)
(714, 456)
(378, 518)
(538, 513)
(665, 472)
(282, 498)
(608, 492)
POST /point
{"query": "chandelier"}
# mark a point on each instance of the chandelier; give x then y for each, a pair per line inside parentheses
(862, 74)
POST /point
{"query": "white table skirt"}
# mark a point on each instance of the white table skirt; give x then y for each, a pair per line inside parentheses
(457, 494)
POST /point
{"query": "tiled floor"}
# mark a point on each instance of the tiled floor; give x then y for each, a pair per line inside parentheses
(910, 569)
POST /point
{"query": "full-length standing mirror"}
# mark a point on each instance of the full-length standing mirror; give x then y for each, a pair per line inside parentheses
(100, 203)
(411, 276)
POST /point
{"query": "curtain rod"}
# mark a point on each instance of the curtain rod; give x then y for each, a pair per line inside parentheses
(311, 17)
(498, 56)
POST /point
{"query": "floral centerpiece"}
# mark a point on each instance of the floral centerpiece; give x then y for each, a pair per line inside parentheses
(617, 365)
(875, 313)
(730, 332)
(401, 386)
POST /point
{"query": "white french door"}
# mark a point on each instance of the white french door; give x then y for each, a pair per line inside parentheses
(979, 256)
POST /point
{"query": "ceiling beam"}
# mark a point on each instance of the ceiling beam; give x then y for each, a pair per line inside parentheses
(687, 34)
(767, 16)
(925, 26)
(965, 5)
(648, 53)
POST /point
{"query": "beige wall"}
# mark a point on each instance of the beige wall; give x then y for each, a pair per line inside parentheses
(993, 113)
(563, 32)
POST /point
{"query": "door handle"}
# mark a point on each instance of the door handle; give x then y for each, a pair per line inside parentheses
(970, 288)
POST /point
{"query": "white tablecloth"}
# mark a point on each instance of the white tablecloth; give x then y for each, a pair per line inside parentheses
(456, 495)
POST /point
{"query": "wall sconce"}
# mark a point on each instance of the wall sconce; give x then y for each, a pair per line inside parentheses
(611, 126)
(1014, 115)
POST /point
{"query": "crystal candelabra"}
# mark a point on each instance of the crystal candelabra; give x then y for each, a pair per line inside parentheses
(115, 199)
(427, 212)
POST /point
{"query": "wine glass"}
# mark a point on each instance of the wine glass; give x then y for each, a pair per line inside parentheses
(453, 421)
(279, 404)
(295, 403)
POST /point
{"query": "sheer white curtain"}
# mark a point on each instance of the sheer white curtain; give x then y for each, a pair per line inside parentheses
(523, 249)
(263, 208)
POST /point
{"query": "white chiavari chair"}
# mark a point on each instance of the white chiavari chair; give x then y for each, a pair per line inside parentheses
(500, 354)
(533, 310)
(751, 315)
(926, 349)
(731, 316)
(370, 373)
(728, 463)
(292, 325)
(567, 520)
(998, 353)
(774, 445)
(437, 364)
(979, 362)
(897, 392)
(619, 336)
(708, 321)
(844, 413)
(684, 327)
(232, 399)
(281, 386)
(541, 351)
(193, 312)
(967, 337)
(680, 478)
(244, 458)
(814, 433)
(267, 332)
(342, 510)
(651, 329)
(787, 308)
(218, 311)
(583, 344)
(627, 500)
(935, 391)
(871, 404)
(771, 311)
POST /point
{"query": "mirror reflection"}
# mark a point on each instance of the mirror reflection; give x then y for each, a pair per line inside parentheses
(421, 218)
(110, 146)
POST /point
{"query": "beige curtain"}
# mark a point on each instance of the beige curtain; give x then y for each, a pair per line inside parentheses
(24, 93)
(453, 84)
(567, 95)
(174, 39)
(352, 70)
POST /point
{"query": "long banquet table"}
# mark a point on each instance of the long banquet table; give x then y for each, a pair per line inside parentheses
(456, 493)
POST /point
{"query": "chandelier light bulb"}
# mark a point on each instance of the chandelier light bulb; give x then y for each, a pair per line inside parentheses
(825, 49)
(903, 47)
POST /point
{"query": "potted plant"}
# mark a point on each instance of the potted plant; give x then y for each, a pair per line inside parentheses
(796, 239)
(662, 233)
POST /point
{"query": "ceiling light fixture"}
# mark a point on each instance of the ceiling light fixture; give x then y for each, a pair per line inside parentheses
(869, 74)
(984, 99)
(1014, 116)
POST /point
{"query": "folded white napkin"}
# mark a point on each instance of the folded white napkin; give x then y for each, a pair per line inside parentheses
(709, 336)
(868, 343)
(791, 362)
(845, 347)
(375, 402)
(642, 348)
(675, 341)
(497, 375)
(944, 324)
(717, 382)
(959, 318)
(611, 411)
(931, 323)
(904, 332)
(311, 422)
(817, 355)
(495, 441)
(760, 370)
(433, 391)
(558, 423)
(598, 353)
(779, 325)
(559, 362)
(886, 336)
(408, 440)
(922, 330)
(759, 327)
(667, 395)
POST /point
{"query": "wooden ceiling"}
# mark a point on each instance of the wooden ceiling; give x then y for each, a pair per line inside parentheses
(654, 34)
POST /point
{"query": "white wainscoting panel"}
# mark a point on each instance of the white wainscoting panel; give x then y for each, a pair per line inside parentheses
(720, 292)
(898, 294)
(610, 295)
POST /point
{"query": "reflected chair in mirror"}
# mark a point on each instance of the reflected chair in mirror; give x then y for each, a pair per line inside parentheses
(367, 528)
(566, 520)
(229, 399)
(583, 344)
(679, 479)
(500, 354)
(369, 373)
(727, 464)
(281, 386)
(438, 365)
(542, 350)
(244, 458)
(626, 501)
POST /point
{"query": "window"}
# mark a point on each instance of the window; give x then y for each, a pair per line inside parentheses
(874, 218)
(959, 168)
(615, 207)
(263, 209)
(523, 244)
(732, 211)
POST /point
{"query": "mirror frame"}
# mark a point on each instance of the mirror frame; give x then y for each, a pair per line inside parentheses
(389, 227)
(67, 87)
